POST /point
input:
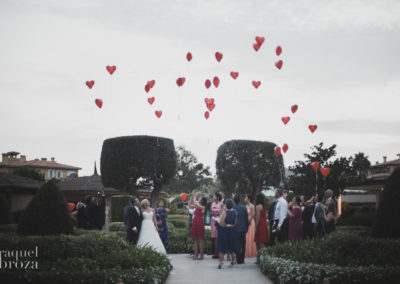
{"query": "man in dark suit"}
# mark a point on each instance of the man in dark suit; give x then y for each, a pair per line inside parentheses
(82, 217)
(96, 212)
(271, 220)
(241, 228)
(134, 220)
(318, 218)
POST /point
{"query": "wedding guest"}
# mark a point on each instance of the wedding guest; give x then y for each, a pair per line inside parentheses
(271, 220)
(227, 234)
(161, 214)
(216, 210)
(82, 216)
(330, 218)
(302, 203)
(134, 220)
(222, 197)
(241, 228)
(295, 225)
(96, 212)
(261, 232)
(197, 230)
(251, 249)
(281, 222)
(318, 218)
(308, 227)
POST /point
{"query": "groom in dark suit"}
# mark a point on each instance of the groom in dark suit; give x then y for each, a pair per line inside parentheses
(134, 220)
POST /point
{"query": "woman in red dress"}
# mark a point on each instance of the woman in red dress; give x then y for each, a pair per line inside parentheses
(295, 225)
(261, 232)
(197, 229)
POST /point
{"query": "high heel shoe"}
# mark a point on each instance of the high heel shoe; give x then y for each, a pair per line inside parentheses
(220, 265)
(232, 263)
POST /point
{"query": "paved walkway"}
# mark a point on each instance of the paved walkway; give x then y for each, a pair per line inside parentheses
(187, 270)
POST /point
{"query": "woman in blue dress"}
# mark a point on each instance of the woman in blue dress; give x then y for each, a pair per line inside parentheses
(161, 214)
(227, 234)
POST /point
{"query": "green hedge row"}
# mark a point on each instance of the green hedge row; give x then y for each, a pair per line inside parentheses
(349, 254)
(181, 242)
(86, 257)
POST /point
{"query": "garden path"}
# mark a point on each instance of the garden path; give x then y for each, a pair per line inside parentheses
(205, 271)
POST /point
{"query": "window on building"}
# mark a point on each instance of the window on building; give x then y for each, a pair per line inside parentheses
(50, 173)
(59, 174)
(70, 173)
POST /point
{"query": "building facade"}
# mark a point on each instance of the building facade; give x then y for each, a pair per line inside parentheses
(48, 168)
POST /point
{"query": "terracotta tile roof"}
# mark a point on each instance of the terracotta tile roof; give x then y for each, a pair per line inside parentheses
(388, 163)
(86, 183)
(37, 164)
(8, 181)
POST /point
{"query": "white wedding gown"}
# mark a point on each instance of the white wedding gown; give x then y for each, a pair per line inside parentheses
(148, 235)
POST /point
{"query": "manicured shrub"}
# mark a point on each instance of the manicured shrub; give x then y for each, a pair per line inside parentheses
(388, 214)
(8, 228)
(118, 203)
(47, 213)
(16, 216)
(181, 242)
(343, 256)
(359, 218)
(117, 227)
(109, 259)
(178, 223)
(5, 214)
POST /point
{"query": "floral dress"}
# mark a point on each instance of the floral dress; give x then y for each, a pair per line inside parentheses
(216, 210)
(162, 228)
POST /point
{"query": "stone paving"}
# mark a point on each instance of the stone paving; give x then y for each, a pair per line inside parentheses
(205, 271)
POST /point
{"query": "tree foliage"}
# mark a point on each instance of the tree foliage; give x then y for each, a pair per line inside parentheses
(344, 171)
(190, 174)
(5, 214)
(29, 172)
(245, 166)
(47, 213)
(131, 162)
(388, 213)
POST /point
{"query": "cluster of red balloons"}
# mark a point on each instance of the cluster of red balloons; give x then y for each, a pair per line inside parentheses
(90, 84)
(324, 171)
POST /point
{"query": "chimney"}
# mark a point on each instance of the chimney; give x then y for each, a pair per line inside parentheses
(384, 159)
(44, 159)
(398, 155)
(376, 163)
(22, 158)
(52, 159)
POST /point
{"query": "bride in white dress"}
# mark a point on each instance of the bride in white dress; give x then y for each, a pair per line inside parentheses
(148, 235)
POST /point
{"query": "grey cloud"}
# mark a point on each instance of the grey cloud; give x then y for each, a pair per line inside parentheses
(361, 126)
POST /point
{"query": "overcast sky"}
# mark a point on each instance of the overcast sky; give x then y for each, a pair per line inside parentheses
(341, 67)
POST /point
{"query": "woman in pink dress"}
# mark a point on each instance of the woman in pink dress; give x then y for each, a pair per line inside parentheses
(295, 225)
(251, 249)
(215, 211)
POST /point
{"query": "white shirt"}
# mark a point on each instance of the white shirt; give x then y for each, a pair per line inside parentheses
(137, 209)
(313, 219)
(280, 211)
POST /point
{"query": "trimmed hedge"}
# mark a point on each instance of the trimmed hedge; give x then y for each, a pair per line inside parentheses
(89, 257)
(47, 213)
(8, 228)
(345, 255)
(5, 214)
(118, 203)
(181, 242)
(117, 227)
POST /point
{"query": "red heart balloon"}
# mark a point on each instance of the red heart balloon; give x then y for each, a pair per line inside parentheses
(218, 56)
(206, 114)
(90, 84)
(151, 100)
(234, 75)
(209, 101)
(71, 206)
(278, 50)
(294, 108)
(277, 150)
(158, 113)
(211, 107)
(315, 166)
(147, 88)
(325, 171)
(151, 83)
(216, 81)
(256, 84)
(189, 56)
(111, 69)
(99, 103)
(312, 128)
(208, 83)
(260, 40)
(256, 46)
(180, 81)
(279, 64)
(285, 147)
(285, 119)
(183, 196)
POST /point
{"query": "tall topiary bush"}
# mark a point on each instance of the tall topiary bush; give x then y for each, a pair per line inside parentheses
(47, 213)
(245, 166)
(130, 162)
(5, 214)
(118, 203)
(388, 213)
